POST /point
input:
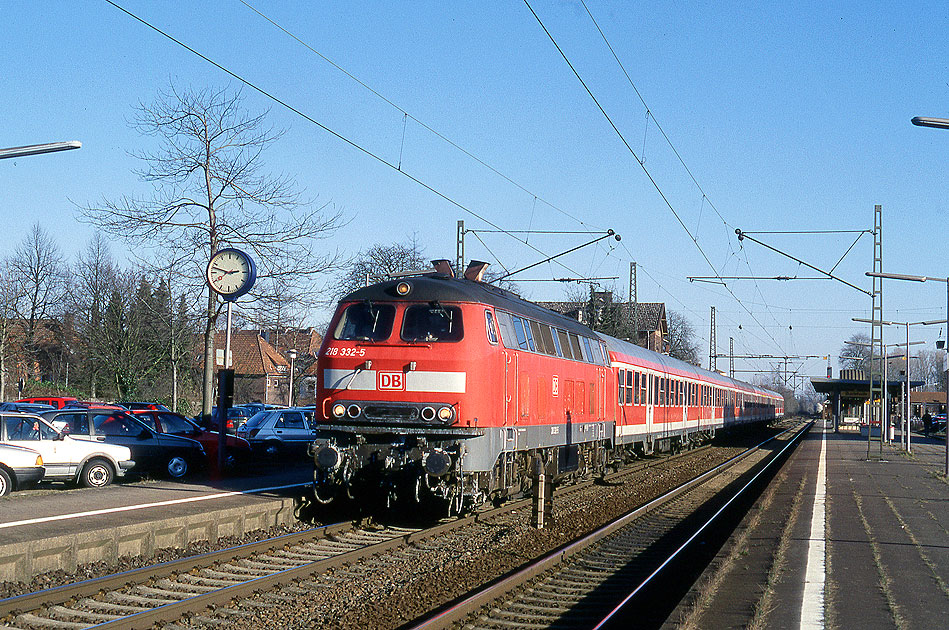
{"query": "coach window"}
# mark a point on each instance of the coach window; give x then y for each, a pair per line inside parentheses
(489, 327)
(575, 346)
(620, 386)
(538, 338)
(636, 389)
(588, 351)
(642, 386)
(519, 331)
(548, 338)
(556, 339)
(564, 340)
(530, 336)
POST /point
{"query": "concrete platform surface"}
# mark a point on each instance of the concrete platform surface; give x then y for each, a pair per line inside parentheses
(878, 558)
(54, 527)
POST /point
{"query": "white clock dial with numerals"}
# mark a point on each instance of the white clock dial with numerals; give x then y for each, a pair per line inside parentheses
(231, 272)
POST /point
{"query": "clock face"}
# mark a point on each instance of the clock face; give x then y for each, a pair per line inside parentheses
(230, 272)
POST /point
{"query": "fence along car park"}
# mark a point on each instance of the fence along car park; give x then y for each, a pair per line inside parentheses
(92, 464)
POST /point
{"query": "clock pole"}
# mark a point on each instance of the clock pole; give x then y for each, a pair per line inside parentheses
(223, 264)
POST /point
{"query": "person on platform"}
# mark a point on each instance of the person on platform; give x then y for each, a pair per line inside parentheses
(927, 423)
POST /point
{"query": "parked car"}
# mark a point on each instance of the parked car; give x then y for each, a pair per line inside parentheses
(92, 404)
(153, 452)
(19, 467)
(280, 431)
(57, 402)
(25, 407)
(939, 423)
(238, 449)
(236, 416)
(134, 406)
(91, 464)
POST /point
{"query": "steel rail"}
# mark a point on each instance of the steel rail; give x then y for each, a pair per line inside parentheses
(460, 610)
(171, 611)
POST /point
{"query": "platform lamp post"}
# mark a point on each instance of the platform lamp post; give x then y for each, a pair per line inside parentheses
(906, 410)
(899, 276)
(36, 149)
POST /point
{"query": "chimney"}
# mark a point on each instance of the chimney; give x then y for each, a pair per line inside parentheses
(475, 270)
(443, 266)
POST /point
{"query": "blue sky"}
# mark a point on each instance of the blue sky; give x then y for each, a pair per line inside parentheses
(790, 116)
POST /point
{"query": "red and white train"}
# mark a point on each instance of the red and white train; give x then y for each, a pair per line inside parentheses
(453, 387)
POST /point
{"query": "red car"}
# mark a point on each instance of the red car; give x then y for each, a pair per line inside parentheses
(55, 401)
(238, 449)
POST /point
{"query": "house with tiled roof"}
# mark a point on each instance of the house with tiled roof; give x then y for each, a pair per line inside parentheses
(261, 373)
(643, 323)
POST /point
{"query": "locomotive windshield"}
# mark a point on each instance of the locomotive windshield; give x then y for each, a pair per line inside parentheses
(432, 322)
(366, 322)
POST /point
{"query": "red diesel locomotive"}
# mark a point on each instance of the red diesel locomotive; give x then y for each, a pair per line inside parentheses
(455, 388)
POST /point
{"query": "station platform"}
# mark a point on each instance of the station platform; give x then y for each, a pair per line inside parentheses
(55, 527)
(839, 540)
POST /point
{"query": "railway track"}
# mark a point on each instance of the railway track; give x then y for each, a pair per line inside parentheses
(271, 573)
(610, 578)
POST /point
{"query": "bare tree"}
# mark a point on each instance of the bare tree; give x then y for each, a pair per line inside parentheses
(855, 355)
(210, 191)
(38, 269)
(681, 339)
(377, 262)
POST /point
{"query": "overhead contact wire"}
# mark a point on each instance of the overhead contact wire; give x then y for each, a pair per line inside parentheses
(416, 120)
(339, 136)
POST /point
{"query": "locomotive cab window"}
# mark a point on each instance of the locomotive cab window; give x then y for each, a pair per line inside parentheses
(365, 322)
(432, 322)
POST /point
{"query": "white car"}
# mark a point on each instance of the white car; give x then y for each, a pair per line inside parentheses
(19, 467)
(91, 464)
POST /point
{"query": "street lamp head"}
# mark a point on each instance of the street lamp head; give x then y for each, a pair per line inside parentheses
(937, 123)
(292, 353)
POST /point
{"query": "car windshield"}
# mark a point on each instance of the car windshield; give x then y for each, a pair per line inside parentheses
(432, 322)
(365, 322)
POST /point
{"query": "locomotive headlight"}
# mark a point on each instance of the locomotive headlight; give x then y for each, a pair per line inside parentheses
(403, 288)
(427, 413)
(339, 411)
(353, 411)
(445, 414)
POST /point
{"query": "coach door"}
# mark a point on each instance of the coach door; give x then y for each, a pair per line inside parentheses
(650, 398)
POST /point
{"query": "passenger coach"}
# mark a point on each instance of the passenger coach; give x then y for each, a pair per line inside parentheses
(455, 388)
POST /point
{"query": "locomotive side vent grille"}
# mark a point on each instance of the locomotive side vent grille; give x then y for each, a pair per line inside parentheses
(386, 413)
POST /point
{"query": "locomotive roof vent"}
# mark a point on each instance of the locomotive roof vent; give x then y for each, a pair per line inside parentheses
(443, 266)
(475, 270)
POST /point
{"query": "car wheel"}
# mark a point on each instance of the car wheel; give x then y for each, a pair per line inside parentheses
(96, 474)
(177, 467)
(272, 449)
(5, 484)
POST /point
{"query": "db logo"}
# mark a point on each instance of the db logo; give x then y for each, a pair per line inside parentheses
(392, 380)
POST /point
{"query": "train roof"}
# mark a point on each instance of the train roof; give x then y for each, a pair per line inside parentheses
(444, 288)
(428, 287)
(676, 366)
